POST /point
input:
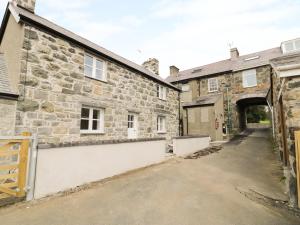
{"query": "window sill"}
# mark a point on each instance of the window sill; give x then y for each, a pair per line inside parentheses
(213, 91)
(91, 132)
(161, 132)
(92, 78)
(250, 86)
(163, 99)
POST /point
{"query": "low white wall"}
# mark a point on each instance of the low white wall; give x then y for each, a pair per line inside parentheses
(59, 169)
(185, 146)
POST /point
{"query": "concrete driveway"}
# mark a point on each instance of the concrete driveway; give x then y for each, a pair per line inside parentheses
(210, 190)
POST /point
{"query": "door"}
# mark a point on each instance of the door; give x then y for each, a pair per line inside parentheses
(132, 126)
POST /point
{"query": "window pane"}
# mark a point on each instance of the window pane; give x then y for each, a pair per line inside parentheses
(96, 114)
(99, 74)
(88, 71)
(84, 125)
(85, 113)
(96, 124)
(88, 60)
(297, 44)
(99, 65)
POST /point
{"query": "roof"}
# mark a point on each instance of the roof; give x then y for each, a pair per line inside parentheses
(244, 62)
(204, 100)
(5, 88)
(28, 17)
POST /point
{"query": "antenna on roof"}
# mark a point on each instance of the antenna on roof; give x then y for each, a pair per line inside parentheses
(230, 44)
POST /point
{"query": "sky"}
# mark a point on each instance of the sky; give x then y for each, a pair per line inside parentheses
(184, 33)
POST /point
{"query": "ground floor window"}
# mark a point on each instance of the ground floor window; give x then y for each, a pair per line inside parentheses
(161, 124)
(92, 120)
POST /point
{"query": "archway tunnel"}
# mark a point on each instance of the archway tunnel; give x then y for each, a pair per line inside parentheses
(253, 110)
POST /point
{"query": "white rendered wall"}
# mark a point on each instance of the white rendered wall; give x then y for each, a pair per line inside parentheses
(59, 169)
(186, 146)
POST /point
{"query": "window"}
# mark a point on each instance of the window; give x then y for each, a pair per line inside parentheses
(249, 78)
(212, 85)
(291, 46)
(185, 87)
(92, 120)
(161, 92)
(161, 124)
(94, 68)
(130, 121)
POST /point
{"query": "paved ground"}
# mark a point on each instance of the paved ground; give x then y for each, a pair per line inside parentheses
(180, 192)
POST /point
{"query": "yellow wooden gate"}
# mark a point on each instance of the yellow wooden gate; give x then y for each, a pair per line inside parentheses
(13, 166)
(297, 140)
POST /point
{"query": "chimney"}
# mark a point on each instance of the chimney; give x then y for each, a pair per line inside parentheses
(234, 53)
(174, 71)
(26, 4)
(152, 65)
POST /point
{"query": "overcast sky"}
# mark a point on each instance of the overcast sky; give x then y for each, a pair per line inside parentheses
(185, 33)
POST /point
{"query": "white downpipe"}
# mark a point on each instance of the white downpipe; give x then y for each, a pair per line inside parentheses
(32, 169)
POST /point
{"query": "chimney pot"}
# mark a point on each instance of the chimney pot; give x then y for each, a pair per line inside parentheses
(174, 71)
(152, 65)
(234, 53)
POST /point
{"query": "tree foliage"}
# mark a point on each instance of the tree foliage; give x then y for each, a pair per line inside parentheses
(257, 113)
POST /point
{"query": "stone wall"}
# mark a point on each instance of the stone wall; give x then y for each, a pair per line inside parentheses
(7, 117)
(236, 91)
(291, 108)
(54, 89)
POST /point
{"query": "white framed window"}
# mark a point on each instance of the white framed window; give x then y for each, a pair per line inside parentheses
(249, 78)
(213, 85)
(161, 124)
(291, 46)
(185, 87)
(94, 67)
(161, 92)
(92, 120)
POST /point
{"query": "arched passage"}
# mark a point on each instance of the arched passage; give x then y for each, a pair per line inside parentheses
(245, 102)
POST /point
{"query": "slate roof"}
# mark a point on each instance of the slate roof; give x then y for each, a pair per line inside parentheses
(26, 16)
(203, 100)
(5, 87)
(241, 63)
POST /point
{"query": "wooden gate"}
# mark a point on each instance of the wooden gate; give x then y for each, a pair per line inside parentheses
(297, 140)
(13, 167)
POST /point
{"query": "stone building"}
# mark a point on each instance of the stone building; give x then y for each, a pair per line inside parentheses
(242, 80)
(74, 91)
(285, 101)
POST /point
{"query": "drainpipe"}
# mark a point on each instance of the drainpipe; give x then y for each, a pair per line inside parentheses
(32, 169)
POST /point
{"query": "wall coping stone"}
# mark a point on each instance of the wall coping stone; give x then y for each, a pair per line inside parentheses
(189, 137)
(103, 142)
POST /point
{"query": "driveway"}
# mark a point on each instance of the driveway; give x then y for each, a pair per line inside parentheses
(210, 190)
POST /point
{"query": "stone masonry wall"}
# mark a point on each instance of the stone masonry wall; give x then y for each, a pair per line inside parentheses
(234, 81)
(53, 89)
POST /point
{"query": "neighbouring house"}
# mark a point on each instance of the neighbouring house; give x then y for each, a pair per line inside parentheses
(286, 110)
(8, 101)
(74, 91)
(242, 81)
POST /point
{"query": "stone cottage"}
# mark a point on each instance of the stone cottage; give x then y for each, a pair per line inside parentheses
(241, 80)
(74, 91)
(285, 100)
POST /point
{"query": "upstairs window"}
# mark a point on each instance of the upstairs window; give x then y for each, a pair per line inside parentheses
(92, 120)
(94, 68)
(213, 85)
(161, 92)
(161, 124)
(249, 78)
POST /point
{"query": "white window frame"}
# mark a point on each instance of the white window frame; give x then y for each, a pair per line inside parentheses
(94, 68)
(216, 85)
(246, 74)
(185, 88)
(161, 92)
(161, 124)
(294, 46)
(91, 119)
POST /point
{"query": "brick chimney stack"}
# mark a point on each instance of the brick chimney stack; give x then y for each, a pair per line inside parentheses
(174, 71)
(26, 4)
(152, 65)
